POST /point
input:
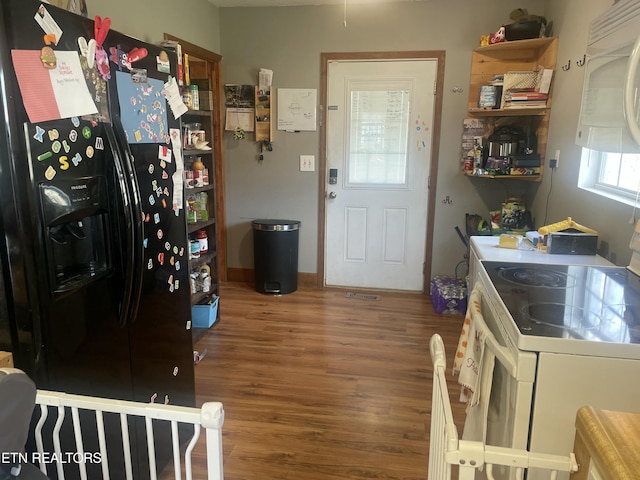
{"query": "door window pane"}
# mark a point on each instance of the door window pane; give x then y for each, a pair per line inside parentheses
(378, 134)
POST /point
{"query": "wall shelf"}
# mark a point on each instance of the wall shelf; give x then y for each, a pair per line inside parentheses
(508, 112)
(506, 177)
(264, 120)
(501, 58)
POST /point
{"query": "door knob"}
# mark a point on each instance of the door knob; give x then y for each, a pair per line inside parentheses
(332, 195)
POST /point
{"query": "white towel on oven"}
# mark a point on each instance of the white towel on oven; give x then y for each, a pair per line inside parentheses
(475, 425)
(470, 347)
(475, 362)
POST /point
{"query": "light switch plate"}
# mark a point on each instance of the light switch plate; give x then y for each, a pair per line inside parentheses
(307, 163)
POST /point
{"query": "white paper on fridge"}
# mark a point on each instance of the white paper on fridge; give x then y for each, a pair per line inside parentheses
(178, 175)
(172, 94)
(51, 94)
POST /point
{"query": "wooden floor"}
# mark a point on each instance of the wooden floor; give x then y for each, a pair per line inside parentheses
(318, 385)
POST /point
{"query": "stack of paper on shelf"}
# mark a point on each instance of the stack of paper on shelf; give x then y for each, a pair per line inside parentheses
(528, 89)
(525, 98)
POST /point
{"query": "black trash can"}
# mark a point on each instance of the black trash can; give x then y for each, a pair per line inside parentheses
(275, 255)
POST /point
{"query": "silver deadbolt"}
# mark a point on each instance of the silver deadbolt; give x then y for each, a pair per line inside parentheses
(332, 195)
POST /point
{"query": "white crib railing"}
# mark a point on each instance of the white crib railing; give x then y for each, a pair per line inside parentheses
(210, 417)
(446, 449)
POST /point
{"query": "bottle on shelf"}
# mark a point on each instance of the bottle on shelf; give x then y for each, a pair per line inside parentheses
(201, 236)
(198, 172)
(195, 97)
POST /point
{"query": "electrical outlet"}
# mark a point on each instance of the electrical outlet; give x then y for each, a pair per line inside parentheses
(307, 163)
(557, 158)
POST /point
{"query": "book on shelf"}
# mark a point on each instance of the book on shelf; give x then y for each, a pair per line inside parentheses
(526, 89)
(177, 48)
(524, 104)
(526, 96)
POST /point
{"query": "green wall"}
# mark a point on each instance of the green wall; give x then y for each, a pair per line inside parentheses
(195, 21)
(289, 41)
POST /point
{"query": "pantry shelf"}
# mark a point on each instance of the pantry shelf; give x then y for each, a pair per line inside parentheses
(195, 151)
(196, 298)
(194, 227)
(202, 259)
(529, 178)
(201, 113)
(204, 188)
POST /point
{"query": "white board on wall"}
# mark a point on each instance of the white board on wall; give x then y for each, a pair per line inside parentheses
(297, 109)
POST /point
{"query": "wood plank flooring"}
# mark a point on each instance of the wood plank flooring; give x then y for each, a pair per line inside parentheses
(316, 385)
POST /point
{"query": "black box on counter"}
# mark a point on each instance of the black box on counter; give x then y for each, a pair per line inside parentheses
(572, 243)
(525, 160)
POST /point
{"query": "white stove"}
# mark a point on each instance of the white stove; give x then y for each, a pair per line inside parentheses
(568, 324)
(572, 309)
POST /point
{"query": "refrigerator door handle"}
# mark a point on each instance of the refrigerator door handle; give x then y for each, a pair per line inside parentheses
(129, 222)
(136, 247)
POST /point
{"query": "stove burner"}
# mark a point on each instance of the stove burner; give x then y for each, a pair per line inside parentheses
(536, 277)
(559, 315)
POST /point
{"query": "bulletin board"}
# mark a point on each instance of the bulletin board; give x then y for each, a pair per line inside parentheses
(143, 109)
(297, 109)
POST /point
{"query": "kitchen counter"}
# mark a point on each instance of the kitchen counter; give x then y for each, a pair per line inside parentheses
(486, 248)
(607, 445)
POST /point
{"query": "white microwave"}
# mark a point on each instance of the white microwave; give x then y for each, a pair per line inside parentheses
(610, 109)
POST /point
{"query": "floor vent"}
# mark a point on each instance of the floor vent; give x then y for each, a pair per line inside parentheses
(362, 296)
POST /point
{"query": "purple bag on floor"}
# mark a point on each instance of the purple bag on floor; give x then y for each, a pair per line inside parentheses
(448, 295)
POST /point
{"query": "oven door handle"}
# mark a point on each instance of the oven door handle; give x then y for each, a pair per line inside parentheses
(502, 355)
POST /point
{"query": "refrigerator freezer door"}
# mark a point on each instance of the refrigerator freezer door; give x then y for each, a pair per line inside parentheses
(69, 290)
(161, 341)
(78, 212)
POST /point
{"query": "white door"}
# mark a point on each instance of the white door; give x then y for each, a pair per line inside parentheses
(379, 127)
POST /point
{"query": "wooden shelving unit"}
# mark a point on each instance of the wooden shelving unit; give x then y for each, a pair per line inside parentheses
(204, 71)
(264, 122)
(514, 56)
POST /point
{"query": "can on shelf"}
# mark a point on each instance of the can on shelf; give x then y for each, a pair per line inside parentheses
(195, 97)
(194, 248)
(198, 179)
(201, 236)
(189, 180)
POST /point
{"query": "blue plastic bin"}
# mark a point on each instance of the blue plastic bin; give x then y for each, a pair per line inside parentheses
(203, 316)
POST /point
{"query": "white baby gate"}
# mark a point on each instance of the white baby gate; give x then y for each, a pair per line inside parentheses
(210, 417)
(445, 449)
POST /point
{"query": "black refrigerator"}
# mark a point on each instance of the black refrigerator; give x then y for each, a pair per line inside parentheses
(93, 238)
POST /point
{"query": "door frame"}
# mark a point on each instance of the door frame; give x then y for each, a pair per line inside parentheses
(439, 56)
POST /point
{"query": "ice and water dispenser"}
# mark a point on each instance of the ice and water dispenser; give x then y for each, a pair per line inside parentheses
(75, 222)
